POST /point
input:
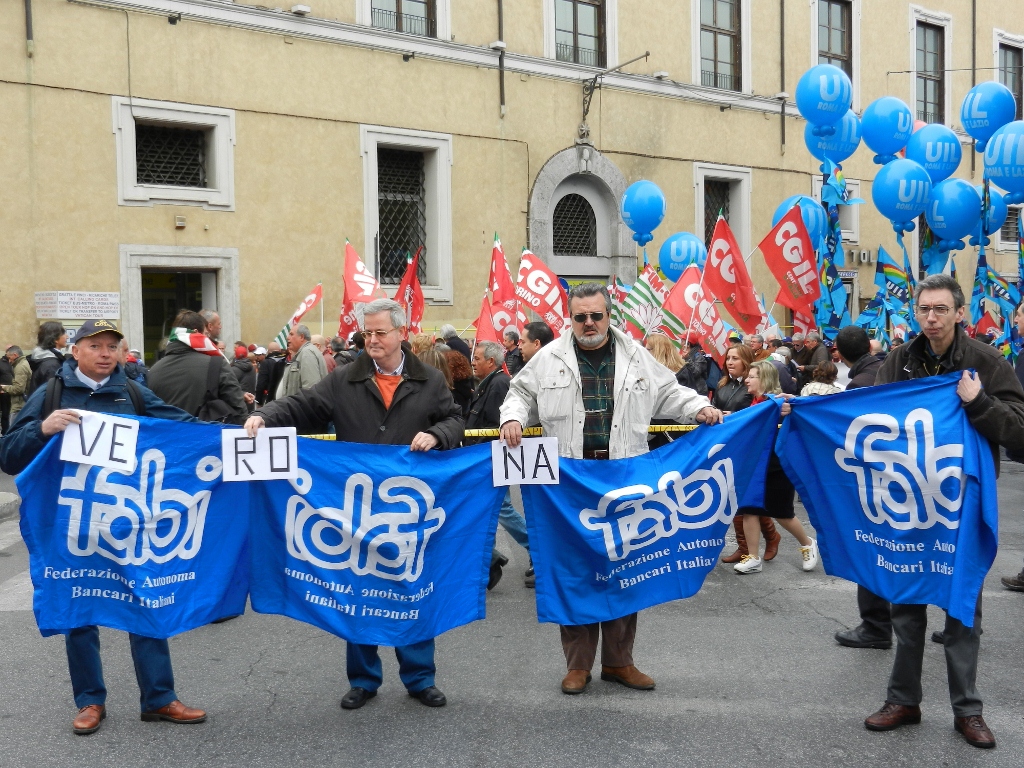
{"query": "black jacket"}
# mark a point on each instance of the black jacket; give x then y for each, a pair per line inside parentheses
(344, 357)
(271, 371)
(245, 372)
(349, 397)
(7, 372)
(486, 402)
(997, 412)
(514, 361)
(732, 396)
(863, 372)
(694, 373)
(45, 363)
(460, 346)
(179, 379)
(811, 359)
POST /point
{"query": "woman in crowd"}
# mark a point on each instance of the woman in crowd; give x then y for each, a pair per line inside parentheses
(732, 395)
(664, 352)
(421, 342)
(823, 380)
(436, 359)
(779, 493)
(462, 379)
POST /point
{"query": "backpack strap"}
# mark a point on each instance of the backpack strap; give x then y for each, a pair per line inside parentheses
(52, 398)
(138, 402)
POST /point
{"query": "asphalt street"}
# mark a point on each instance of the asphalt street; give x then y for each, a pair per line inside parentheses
(747, 675)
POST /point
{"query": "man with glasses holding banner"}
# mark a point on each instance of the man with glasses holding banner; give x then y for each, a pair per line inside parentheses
(596, 390)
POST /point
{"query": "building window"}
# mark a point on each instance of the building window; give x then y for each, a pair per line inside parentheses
(171, 153)
(579, 32)
(849, 215)
(414, 17)
(720, 44)
(931, 77)
(1011, 73)
(716, 201)
(574, 227)
(171, 156)
(1008, 232)
(835, 34)
(401, 213)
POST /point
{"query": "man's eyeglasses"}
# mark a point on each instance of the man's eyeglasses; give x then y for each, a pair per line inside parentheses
(379, 334)
(581, 317)
(940, 311)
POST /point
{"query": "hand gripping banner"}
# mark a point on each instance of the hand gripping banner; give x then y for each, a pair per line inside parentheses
(900, 488)
(376, 544)
(156, 551)
(615, 537)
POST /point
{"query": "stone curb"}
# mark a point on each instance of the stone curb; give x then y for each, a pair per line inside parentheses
(9, 504)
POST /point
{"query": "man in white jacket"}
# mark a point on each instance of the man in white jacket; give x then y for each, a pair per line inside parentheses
(596, 390)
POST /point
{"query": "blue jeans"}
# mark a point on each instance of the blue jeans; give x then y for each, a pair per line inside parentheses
(415, 666)
(152, 669)
(513, 522)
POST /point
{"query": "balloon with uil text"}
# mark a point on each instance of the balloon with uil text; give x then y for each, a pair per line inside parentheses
(993, 221)
(886, 126)
(811, 211)
(901, 192)
(936, 149)
(954, 210)
(1004, 160)
(643, 208)
(680, 251)
(986, 108)
(823, 96)
(839, 145)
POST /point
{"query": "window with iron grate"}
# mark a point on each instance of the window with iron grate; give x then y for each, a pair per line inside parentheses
(170, 156)
(402, 213)
(716, 200)
(414, 17)
(1008, 232)
(574, 227)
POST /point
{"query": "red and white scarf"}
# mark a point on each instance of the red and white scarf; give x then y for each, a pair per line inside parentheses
(198, 341)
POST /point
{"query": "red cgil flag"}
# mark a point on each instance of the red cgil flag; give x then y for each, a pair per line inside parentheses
(697, 312)
(504, 302)
(410, 293)
(789, 255)
(485, 323)
(726, 278)
(538, 288)
(803, 323)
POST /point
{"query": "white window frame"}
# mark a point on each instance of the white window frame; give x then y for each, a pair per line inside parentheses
(851, 235)
(1002, 37)
(746, 40)
(443, 10)
(739, 198)
(611, 32)
(938, 19)
(219, 196)
(437, 149)
(997, 237)
(855, 16)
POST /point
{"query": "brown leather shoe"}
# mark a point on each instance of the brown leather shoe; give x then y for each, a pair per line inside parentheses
(88, 719)
(630, 676)
(975, 732)
(741, 542)
(175, 712)
(576, 681)
(771, 538)
(892, 716)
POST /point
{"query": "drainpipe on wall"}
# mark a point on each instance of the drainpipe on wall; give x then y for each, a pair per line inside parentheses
(30, 44)
(501, 54)
(974, 67)
(782, 72)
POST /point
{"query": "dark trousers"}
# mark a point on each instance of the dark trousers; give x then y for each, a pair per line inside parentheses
(152, 669)
(5, 413)
(579, 643)
(875, 613)
(415, 666)
(961, 644)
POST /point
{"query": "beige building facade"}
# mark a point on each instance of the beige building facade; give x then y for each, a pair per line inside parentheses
(218, 154)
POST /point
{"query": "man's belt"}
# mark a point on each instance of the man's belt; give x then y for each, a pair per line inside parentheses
(595, 455)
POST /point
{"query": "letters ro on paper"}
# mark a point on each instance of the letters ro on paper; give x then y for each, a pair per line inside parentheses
(271, 455)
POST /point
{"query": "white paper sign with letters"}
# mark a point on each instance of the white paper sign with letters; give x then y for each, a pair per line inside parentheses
(101, 440)
(271, 455)
(534, 462)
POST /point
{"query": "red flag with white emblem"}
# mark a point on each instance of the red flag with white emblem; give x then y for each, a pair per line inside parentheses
(410, 293)
(726, 278)
(696, 310)
(790, 257)
(504, 302)
(360, 285)
(538, 288)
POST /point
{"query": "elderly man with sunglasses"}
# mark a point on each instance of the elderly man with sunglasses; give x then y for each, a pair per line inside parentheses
(596, 390)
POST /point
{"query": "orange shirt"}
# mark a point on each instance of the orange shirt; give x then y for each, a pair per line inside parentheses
(387, 386)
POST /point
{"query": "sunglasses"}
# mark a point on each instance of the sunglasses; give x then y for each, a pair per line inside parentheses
(581, 317)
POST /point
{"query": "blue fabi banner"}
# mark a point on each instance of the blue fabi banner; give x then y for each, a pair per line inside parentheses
(900, 488)
(376, 544)
(157, 551)
(615, 537)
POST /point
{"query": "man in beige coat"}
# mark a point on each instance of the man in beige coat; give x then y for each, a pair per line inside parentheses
(22, 377)
(306, 366)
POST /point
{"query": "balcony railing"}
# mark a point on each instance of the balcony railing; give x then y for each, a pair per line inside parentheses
(715, 80)
(404, 22)
(587, 56)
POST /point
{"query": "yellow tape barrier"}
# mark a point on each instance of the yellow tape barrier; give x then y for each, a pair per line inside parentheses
(537, 432)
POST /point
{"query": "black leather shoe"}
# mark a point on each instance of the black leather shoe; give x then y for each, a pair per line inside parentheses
(497, 563)
(356, 697)
(530, 578)
(1015, 583)
(938, 638)
(859, 638)
(431, 697)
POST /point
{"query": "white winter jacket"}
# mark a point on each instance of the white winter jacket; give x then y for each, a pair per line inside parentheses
(548, 391)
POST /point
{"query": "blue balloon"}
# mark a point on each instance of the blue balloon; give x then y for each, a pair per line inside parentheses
(679, 252)
(954, 210)
(886, 126)
(900, 192)
(987, 107)
(936, 149)
(997, 209)
(643, 208)
(1004, 160)
(811, 211)
(824, 95)
(840, 145)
